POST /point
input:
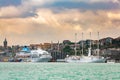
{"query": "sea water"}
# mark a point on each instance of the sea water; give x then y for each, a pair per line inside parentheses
(59, 71)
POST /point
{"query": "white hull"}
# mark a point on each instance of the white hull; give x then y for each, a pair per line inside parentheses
(93, 61)
(87, 59)
(40, 55)
(72, 59)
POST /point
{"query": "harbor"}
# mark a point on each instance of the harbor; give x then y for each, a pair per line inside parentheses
(58, 52)
(59, 39)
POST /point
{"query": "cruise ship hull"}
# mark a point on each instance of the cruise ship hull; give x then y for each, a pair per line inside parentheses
(39, 55)
(40, 60)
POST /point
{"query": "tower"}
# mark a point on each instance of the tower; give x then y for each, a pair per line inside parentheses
(5, 43)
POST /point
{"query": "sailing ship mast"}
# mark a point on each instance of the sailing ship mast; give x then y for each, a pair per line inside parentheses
(82, 43)
(89, 49)
(58, 48)
(75, 44)
(98, 44)
(90, 41)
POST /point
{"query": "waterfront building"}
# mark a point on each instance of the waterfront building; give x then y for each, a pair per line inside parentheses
(33, 46)
(117, 39)
(106, 41)
(56, 51)
(112, 54)
(44, 46)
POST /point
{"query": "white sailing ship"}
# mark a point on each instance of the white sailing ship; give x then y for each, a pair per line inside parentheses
(88, 59)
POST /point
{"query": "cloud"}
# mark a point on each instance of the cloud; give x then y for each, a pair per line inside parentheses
(48, 26)
(9, 11)
(112, 15)
(94, 1)
(28, 7)
(17, 26)
(36, 21)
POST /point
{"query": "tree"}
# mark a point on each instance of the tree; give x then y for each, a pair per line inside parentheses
(68, 50)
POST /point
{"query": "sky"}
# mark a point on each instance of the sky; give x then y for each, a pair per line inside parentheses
(25, 22)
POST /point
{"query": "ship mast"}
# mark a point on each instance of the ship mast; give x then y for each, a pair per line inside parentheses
(98, 44)
(90, 41)
(82, 43)
(89, 49)
(75, 44)
(58, 47)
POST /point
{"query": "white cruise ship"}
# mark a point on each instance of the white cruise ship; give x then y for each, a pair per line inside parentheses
(40, 55)
(27, 55)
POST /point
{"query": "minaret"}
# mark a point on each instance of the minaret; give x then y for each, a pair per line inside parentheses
(5, 43)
